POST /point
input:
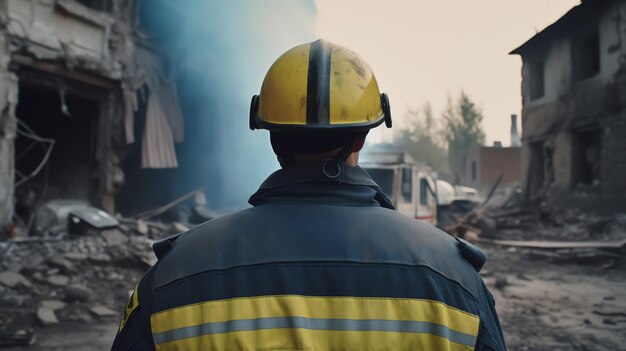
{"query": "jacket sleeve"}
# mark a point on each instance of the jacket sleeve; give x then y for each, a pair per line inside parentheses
(490, 336)
(134, 332)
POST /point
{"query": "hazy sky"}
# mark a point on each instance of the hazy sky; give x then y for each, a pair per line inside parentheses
(421, 50)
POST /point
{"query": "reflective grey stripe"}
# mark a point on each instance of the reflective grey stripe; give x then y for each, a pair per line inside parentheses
(316, 324)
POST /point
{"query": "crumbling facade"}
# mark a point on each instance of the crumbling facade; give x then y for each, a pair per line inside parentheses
(74, 77)
(574, 108)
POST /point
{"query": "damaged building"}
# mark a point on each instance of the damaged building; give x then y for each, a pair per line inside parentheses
(481, 167)
(81, 85)
(574, 108)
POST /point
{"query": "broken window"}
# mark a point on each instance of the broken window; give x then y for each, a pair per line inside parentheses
(424, 189)
(536, 80)
(98, 5)
(407, 184)
(586, 56)
(586, 157)
(537, 167)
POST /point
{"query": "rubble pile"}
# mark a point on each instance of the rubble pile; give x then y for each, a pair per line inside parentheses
(523, 223)
(553, 233)
(45, 281)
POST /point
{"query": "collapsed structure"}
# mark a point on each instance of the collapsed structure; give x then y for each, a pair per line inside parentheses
(79, 83)
(574, 108)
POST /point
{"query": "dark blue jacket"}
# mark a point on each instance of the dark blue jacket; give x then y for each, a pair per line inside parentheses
(316, 264)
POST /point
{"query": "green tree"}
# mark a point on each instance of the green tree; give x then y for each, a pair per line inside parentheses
(463, 129)
(421, 137)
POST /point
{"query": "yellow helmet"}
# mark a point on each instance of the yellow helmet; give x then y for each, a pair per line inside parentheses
(319, 86)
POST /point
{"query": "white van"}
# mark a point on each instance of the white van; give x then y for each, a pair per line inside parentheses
(409, 184)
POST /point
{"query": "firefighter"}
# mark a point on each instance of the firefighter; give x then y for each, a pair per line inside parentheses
(321, 261)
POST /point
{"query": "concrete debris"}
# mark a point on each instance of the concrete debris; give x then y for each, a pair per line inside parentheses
(179, 227)
(15, 299)
(610, 311)
(19, 338)
(46, 316)
(113, 237)
(76, 256)
(554, 233)
(613, 321)
(102, 311)
(53, 304)
(100, 258)
(61, 263)
(542, 244)
(142, 227)
(12, 279)
(58, 280)
(77, 293)
(501, 281)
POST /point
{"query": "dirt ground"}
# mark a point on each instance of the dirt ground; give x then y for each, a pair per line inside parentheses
(551, 304)
(544, 304)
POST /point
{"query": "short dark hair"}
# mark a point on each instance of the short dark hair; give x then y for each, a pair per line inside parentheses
(287, 144)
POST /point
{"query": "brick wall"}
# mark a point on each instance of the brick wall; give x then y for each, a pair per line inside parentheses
(495, 161)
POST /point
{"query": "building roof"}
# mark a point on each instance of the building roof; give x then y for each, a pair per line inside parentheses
(565, 25)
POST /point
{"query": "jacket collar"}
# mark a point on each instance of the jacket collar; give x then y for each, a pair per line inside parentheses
(303, 175)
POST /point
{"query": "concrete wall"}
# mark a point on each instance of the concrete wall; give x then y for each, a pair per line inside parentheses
(54, 43)
(571, 106)
(65, 30)
(495, 161)
(8, 101)
(490, 163)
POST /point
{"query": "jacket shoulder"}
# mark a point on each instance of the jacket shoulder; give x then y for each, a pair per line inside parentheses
(313, 233)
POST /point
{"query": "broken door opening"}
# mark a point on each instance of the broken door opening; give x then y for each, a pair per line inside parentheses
(536, 171)
(586, 157)
(69, 171)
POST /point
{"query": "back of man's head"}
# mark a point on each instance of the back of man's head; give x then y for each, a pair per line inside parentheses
(319, 100)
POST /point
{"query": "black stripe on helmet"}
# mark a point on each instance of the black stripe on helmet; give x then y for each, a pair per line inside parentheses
(318, 84)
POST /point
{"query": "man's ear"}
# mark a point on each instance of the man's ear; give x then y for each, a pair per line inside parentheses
(358, 145)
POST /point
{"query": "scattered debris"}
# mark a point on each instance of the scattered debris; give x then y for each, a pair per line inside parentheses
(102, 311)
(501, 282)
(63, 264)
(613, 321)
(54, 280)
(142, 227)
(12, 279)
(179, 227)
(46, 316)
(472, 219)
(53, 304)
(157, 211)
(58, 280)
(609, 311)
(113, 237)
(77, 293)
(536, 244)
(19, 338)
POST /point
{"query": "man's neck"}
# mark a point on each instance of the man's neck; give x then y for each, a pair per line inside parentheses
(351, 161)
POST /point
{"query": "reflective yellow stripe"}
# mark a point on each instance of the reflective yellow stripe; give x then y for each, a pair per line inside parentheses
(302, 339)
(347, 309)
(354, 94)
(284, 91)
